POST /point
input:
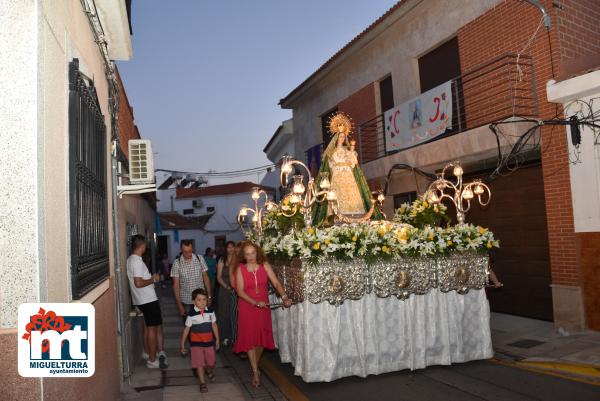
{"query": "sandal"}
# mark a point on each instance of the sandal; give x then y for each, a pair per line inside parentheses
(255, 378)
(203, 388)
(211, 377)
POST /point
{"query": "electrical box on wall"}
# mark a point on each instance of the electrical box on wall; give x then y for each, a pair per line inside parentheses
(141, 162)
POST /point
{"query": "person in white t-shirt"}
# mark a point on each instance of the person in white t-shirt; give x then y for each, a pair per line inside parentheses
(143, 294)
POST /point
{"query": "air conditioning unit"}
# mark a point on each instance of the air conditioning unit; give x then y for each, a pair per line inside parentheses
(197, 203)
(141, 162)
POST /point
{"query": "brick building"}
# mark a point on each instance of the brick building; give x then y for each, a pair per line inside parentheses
(497, 56)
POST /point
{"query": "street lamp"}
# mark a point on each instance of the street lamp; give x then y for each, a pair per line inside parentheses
(460, 194)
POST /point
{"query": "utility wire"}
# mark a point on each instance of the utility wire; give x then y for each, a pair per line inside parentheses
(222, 174)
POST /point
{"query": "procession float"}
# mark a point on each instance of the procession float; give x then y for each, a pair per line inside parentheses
(373, 294)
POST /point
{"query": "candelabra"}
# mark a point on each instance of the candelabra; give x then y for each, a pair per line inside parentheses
(302, 196)
(463, 193)
(257, 211)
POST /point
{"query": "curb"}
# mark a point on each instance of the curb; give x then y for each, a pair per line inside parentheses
(573, 368)
(289, 390)
(588, 374)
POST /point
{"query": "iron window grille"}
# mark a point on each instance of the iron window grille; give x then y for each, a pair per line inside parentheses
(87, 185)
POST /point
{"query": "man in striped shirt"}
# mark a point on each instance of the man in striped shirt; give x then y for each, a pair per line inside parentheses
(201, 327)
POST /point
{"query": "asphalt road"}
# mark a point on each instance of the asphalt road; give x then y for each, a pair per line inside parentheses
(480, 380)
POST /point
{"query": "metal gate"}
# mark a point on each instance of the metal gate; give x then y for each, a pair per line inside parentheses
(87, 185)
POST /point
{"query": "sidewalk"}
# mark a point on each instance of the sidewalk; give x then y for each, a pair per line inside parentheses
(536, 344)
(178, 383)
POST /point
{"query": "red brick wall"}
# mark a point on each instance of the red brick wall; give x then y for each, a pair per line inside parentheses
(361, 107)
(577, 23)
(127, 128)
(506, 29)
(590, 265)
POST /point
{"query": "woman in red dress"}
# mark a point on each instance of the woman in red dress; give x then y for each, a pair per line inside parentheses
(255, 331)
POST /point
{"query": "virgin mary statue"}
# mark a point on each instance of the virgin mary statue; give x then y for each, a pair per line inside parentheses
(340, 163)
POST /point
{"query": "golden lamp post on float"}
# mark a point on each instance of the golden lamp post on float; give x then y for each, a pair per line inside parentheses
(305, 196)
(459, 193)
(257, 211)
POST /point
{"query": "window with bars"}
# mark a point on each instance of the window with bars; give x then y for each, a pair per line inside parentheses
(87, 185)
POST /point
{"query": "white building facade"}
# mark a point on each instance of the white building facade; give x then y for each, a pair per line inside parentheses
(205, 215)
(280, 144)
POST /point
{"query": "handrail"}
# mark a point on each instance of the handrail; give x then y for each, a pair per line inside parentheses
(496, 89)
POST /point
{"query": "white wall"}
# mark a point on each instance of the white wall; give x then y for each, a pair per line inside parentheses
(201, 238)
(20, 184)
(283, 143)
(163, 198)
(222, 223)
(585, 162)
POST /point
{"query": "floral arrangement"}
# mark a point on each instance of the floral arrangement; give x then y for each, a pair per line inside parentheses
(283, 218)
(421, 214)
(376, 240)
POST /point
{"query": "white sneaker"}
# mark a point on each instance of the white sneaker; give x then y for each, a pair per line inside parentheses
(145, 356)
(153, 365)
(162, 360)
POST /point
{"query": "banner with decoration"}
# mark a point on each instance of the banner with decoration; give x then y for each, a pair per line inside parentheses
(419, 119)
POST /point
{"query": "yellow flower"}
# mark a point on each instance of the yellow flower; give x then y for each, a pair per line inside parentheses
(385, 249)
(405, 233)
(286, 201)
(436, 209)
(355, 238)
(327, 241)
(489, 245)
(430, 237)
(482, 230)
(449, 242)
(381, 232)
(317, 246)
(311, 231)
(425, 204)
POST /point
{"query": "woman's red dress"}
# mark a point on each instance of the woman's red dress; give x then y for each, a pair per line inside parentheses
(254, 324)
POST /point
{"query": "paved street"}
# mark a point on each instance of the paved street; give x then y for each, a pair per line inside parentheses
(178, 383)
(481, 380)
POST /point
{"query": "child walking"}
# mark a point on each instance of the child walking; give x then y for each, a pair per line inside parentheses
(201, 326)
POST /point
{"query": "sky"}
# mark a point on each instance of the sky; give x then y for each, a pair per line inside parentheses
(206, 77)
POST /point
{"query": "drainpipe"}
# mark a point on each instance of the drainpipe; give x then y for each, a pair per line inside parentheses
(542, 9)
(118, 276)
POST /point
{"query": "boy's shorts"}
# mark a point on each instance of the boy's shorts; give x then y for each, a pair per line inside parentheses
(202, 357)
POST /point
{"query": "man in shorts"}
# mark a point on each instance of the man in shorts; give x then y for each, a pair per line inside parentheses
(143, 294)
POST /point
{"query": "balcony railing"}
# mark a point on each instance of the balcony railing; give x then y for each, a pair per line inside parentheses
(499, 89)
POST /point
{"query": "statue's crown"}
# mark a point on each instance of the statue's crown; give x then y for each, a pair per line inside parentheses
(341, 123)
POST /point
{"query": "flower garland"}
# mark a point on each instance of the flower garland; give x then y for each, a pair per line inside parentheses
(377, 240)
(416, 230)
